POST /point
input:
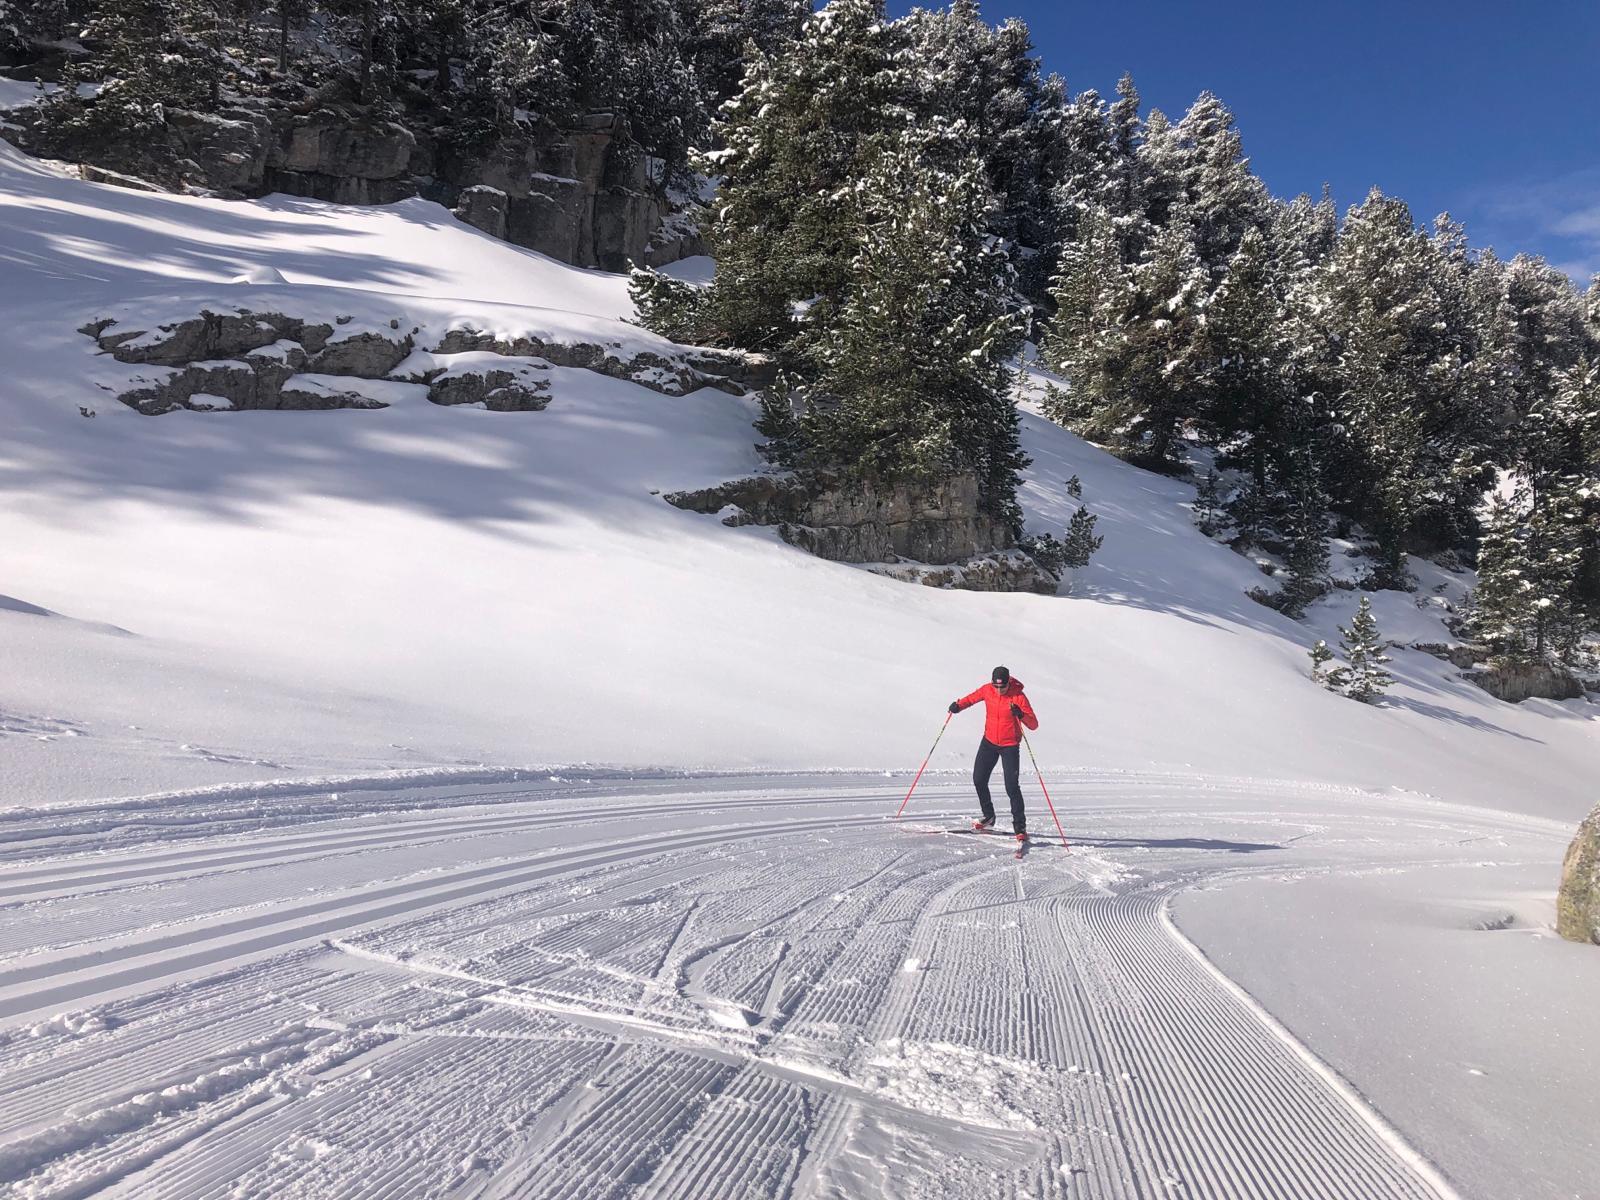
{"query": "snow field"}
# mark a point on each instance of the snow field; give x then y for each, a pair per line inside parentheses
(305, 593)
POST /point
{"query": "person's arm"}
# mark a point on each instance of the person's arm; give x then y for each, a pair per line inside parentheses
(1022, 709)
(966, 701)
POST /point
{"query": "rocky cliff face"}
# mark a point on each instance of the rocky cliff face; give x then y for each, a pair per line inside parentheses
(578, 195)
(931, 533)
(1578, 905)
(1516, 682)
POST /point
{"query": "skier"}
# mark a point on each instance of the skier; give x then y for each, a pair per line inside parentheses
(1006, 711)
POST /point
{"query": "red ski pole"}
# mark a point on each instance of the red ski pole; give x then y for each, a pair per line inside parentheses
(924, 766)
(1042, 787)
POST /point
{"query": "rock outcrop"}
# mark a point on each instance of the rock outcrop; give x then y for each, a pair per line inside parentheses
(246, 359)
(932, 533)
(1578, 903)
(1516, 682)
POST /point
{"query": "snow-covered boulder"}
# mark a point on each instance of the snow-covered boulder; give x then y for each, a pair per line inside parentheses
(207, 336)
(1578, 905)
(501, 383)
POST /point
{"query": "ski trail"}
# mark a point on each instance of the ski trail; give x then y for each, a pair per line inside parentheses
(735, 999)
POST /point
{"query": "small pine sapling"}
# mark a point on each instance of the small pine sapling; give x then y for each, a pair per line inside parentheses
(1364, 679)
(1080, 543)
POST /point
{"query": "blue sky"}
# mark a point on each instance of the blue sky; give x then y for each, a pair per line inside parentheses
(1490, 110)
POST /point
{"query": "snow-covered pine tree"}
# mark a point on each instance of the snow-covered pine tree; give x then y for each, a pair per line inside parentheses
(795, 144)
(1363, 677)
(1320, 657)
(1246, 395)
(1223, 196)
(914, 376)
(1094, 297)
(722, 33)
(668, 306)
(1304, 521)
(989, 81)
(1532, 603)
(143, 62)
(1409, 418)
(1161, 385)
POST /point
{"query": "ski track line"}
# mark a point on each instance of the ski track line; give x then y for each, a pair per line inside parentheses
(29, 883)
(95, 973)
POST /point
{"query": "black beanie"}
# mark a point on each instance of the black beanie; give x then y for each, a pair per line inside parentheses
(1000, 677)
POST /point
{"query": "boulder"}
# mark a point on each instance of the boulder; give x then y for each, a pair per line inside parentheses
(1515, 682)
(229, 149)
(208, 336)
(1578, 902)
(338, 189)
(674, 376)
(484, 207)
(254, 381)
(366, 354)
(497, 389)
(553, 220)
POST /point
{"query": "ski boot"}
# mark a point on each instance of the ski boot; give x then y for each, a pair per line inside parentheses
(983, 825)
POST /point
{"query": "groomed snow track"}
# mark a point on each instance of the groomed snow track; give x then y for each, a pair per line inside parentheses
(685, 990)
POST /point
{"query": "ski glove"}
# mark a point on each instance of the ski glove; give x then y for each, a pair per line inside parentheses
(955, 706)
(1016, 712)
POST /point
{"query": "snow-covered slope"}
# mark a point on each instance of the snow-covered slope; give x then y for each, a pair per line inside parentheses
(355, 590)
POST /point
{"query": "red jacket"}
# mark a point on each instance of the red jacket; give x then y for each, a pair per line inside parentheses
(999, 726)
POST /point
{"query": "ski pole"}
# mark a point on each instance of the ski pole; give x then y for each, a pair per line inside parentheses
(1042, 787)
(924, 765)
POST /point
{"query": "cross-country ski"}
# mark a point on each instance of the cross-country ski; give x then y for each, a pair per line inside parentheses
(798, 600)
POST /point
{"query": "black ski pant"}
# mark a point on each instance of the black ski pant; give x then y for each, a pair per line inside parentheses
(983, 767)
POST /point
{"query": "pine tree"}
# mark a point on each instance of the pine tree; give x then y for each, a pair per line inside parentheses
(1223, 196)
(1081, 544)
(1320, 656)
(1128, 339)
(1363, 678)
(721, 35)
(143, 61)
(1531, 603)
(1305, 520)
(914, 376)
(1408, 410)
(796, 141)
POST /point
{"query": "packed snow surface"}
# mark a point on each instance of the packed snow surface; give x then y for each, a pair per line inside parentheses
(403, 968)
(747, 987)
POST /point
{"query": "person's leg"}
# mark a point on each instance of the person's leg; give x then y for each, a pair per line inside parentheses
(1011, 764)
(982, 768)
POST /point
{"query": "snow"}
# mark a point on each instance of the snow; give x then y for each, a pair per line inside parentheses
(529, 874)
(1490, 1013)
(702, 984)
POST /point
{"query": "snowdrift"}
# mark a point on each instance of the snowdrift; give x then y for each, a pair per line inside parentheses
(203, 597)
